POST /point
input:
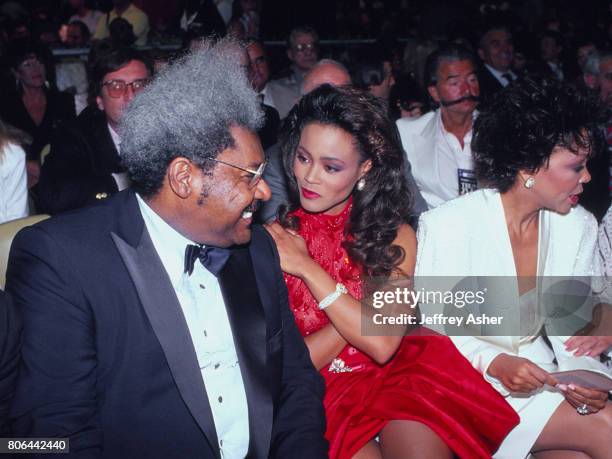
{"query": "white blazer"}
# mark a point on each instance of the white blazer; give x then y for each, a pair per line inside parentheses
(468, 236)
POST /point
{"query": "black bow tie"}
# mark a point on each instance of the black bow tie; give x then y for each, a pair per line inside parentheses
(213, 258)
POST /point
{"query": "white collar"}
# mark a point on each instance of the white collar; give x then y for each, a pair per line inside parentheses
(169, 243)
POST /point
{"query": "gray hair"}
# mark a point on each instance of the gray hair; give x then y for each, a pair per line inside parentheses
(187, 111)
(301, 30)
(308, 77)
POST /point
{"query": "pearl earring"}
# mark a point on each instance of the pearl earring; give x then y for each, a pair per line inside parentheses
(360, 184)
(529, 183)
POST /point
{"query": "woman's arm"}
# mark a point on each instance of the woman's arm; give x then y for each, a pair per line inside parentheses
(324, 345)
(346, 312)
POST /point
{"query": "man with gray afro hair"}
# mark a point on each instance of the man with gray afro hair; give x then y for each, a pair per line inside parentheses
(158, 325)
(188, 111)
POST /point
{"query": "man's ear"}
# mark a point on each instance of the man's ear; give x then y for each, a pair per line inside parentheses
(100, 103)
(433, 92)
(290, 55)
(180, 175)
(481, 54)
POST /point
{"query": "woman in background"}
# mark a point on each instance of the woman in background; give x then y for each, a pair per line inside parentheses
(34, 107)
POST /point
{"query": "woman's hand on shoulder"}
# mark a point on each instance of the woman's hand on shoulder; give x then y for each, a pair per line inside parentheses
(294, 257)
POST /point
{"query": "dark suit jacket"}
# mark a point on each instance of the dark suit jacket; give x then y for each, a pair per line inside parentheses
(489, 85)
(60, 108)
(10, 344)
(108, 360)
(80, 165)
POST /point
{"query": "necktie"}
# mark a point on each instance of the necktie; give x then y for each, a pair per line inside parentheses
(213, 258)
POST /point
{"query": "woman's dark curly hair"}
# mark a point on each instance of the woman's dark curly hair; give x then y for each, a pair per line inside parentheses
(384, 203)
(524, 122)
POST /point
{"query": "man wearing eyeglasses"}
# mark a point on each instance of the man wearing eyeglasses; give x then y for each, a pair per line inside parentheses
(84, 165)
(303, 52)
(156, 324)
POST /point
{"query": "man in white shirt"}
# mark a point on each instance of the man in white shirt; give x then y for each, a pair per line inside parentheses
(159, 324)
(84, 165)
(438, 143)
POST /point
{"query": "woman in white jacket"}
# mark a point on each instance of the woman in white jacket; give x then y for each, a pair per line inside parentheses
(530, 147)
(13, 176)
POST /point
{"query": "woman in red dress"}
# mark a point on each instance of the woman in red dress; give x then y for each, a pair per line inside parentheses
(346, 222)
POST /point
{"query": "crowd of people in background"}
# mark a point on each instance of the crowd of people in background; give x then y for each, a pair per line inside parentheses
(400, 139)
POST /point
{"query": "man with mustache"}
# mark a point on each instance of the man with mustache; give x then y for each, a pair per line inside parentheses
(158, 323)
(438, 143)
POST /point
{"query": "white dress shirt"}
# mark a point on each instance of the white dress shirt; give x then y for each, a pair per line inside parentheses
(13, 183)
(441, 168)
(202, 303)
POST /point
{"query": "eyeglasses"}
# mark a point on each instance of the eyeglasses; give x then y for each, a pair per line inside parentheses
(117, 88)
(256, 175)
(303, 47)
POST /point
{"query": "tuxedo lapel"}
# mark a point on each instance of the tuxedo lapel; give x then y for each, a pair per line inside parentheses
(248, 323)
(166, 317)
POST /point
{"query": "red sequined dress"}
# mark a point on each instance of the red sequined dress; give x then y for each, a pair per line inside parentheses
(427, 380)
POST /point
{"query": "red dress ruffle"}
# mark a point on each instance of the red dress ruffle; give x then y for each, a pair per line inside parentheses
(427, 380)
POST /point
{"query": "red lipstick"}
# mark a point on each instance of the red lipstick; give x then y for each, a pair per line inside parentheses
(307, 194)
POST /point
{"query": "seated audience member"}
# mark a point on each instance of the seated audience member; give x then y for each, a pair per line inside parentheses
(373, 71)
(496, 51)
(121, 33)
(303, 52)
(407, 99)
(527, 228)
(598, 77)
(71, 72)
(260, 68)
(438, 144)
(10, 344)
(203, 16)
(84, 164)
(77, 35)
(85, 14)
(259, 75)
(158, 325)
(127, 10)
(13, 176)
(550, 64)
(416, 394)
(35, 107)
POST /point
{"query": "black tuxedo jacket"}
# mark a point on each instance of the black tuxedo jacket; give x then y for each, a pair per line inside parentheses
(80, 165)
(108, 360)
(10, 341)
